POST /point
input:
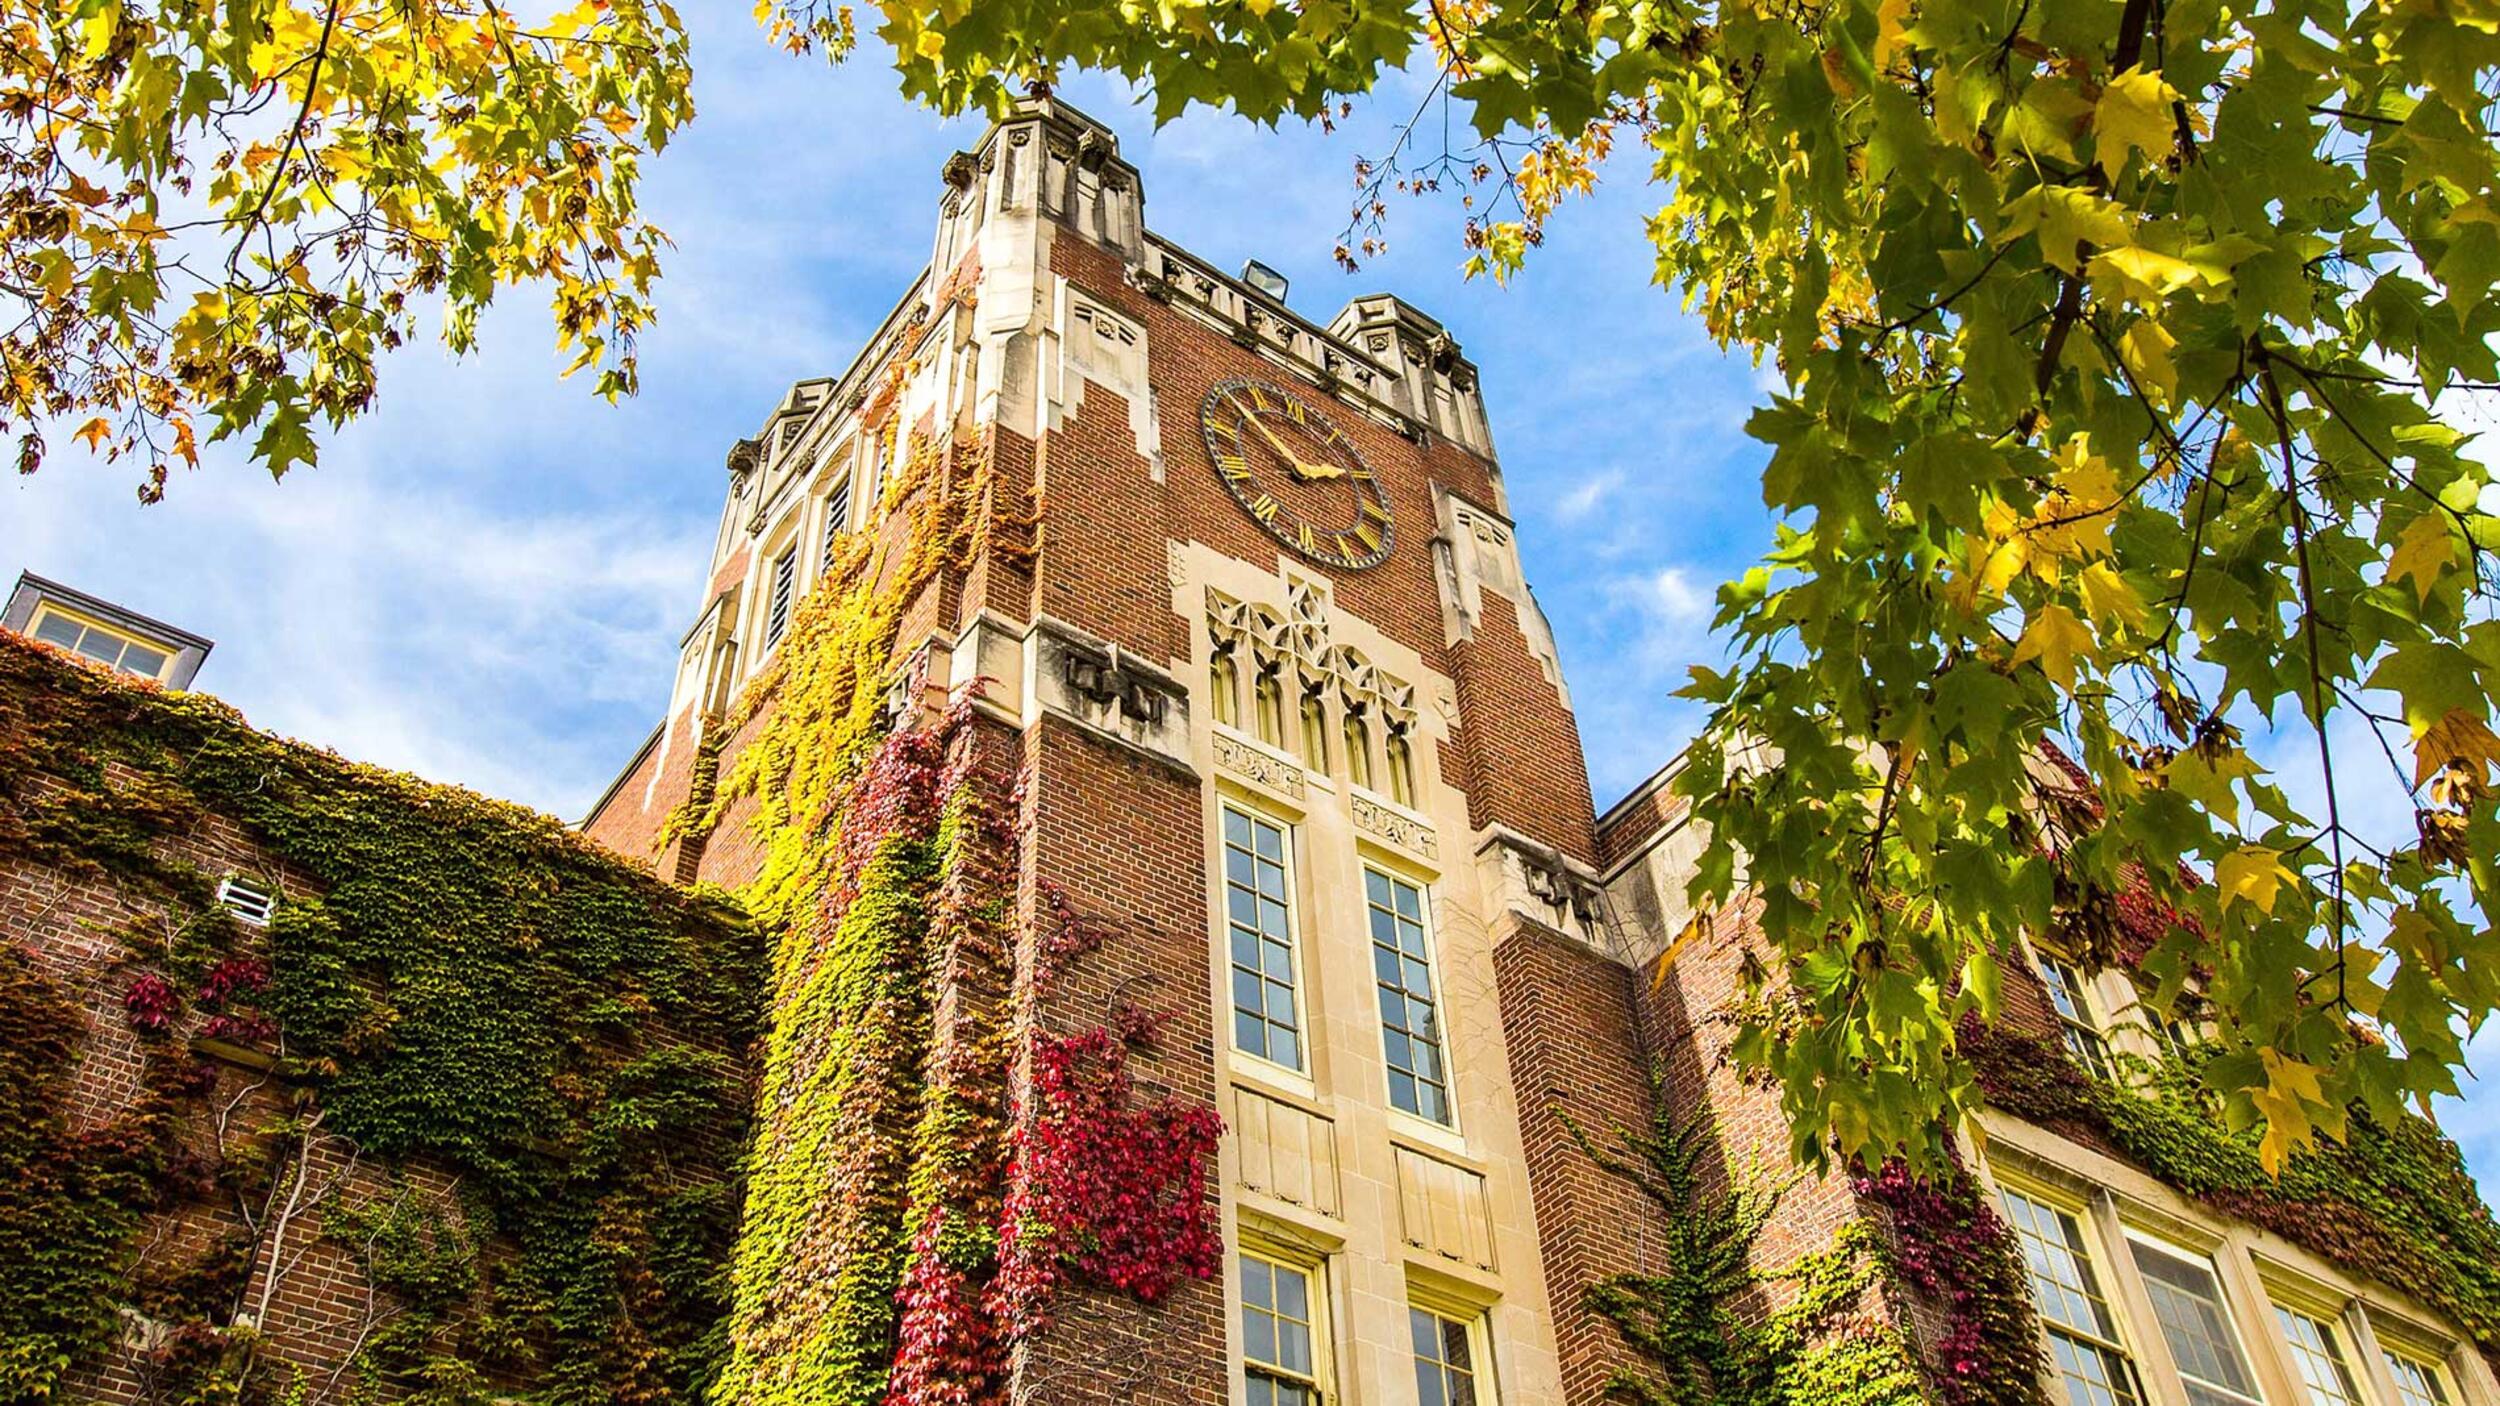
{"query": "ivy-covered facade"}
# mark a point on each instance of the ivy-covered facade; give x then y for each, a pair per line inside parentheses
(1134, 929)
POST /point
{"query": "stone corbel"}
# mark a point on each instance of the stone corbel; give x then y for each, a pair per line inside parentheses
(1111, 693)
(1538, 883)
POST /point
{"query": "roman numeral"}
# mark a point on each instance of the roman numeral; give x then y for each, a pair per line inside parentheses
(1373, 509)
(1310, 543)
(1233, 466)
(1293, 408)
(1257, 400)
(1263, 508)
(1359, 474)
(1369, 534)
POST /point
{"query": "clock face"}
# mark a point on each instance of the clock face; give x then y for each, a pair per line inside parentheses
(1297, 474)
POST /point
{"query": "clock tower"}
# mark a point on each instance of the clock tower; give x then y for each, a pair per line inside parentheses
(1247, 615)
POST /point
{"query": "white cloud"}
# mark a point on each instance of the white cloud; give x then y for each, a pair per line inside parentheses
(1583, 498)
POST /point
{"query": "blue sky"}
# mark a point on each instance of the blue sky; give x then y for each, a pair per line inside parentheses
(485, 580)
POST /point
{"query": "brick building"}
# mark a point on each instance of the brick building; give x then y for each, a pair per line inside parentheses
(1227, 603)
(1278, 692)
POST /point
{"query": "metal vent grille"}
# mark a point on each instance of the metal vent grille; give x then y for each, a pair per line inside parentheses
(248, 899)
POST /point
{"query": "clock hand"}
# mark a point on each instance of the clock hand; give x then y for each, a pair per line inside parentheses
(1300, 469)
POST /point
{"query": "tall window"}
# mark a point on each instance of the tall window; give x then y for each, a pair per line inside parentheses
(1358, 749)
(1410, 1022)
(2074, 1012)
(2318, 1353)
(1400, 760)
(1265, 1022)
(2083, 1335)
(1280, 1314)
(1314, 731)
(837, 517)
(1268, 697)
(1446, 1370)
(785, 586)
(2187, 1303)
(2417, 1382)
(1224, 685)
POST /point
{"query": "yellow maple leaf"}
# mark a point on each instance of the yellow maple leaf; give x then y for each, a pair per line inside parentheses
(2139, 275)
(2134, 114)
(2146, 348)
(2066, 218)
(2459, 737)
(2107, 597)
(94, 431)
(2291, 1088)
(1892, 17)
(2055, 638)
(2252, 874)
(2423, 550)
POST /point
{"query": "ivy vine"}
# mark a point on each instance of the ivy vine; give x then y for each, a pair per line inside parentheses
(472, 987)
(1698, 1324)
(2391, 1201)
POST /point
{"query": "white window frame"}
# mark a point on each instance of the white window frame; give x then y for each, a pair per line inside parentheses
(2084, 1034)
(2197, 1259)
(2341, 1348)
(1303, 1077)
(1439, 997)
(2089, 1252)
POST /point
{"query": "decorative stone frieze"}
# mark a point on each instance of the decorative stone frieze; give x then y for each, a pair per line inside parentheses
(1395, 829)
(1258, 766)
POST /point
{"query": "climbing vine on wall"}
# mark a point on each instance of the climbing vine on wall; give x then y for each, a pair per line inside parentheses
(1949, 1251)
(2391, 1202)
(906, 1220)
(1716, 1331)
(472, 987)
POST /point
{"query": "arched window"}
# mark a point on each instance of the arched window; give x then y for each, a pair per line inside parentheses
(1224, 688)
(1400, 759)
(1314, 731)
(1358, 749)
(1271, 708)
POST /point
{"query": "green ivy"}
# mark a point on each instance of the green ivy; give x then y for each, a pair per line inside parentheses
(2391, 1202)
(1695, 1324)
(474, 986)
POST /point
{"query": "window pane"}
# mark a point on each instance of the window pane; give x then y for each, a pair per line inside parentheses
(2318, 1354)
(100, 647)
(1410, 1031)
(1259, 939)
(2417, 1383)
(145, 662)
(1445, 1370)
(2187, 1302)
(2067, 1293)
(58, 630)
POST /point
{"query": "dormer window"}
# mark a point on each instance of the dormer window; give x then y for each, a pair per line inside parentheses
(101, 643)
(103, 633)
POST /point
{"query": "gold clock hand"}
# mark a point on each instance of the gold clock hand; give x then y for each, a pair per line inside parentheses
(1300, 469)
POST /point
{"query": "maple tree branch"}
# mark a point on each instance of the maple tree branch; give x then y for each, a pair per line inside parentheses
(2309, 631)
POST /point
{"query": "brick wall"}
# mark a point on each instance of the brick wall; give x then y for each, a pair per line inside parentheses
(1119, 836)
(1576, 1053)
(303, 1289)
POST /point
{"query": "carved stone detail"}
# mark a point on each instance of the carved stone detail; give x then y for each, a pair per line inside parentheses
(1398, 831)
(1259, 767)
